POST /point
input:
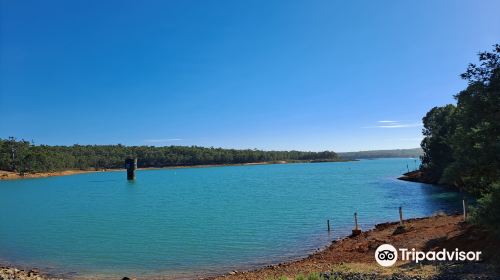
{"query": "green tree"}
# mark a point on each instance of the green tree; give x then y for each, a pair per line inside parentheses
(38, 158)
(439, 126)
(462, 142)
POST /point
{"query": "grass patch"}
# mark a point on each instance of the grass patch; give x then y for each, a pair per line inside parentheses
(339, 271)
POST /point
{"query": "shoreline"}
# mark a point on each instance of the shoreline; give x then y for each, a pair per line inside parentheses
(353, 257)
(417, 176)
(9, 175)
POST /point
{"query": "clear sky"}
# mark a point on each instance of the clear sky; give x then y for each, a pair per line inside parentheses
(307, 75)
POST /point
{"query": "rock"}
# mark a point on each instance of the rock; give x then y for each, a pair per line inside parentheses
(325, 275)
(32, 273)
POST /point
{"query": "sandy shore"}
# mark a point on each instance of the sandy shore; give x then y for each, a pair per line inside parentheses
(353, 257)
(8, 175)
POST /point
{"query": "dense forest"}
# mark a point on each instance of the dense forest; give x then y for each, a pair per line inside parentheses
(462, 141)
(23, 156)
(398, 153)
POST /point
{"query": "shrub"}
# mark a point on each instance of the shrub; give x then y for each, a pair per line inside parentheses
(487, 210)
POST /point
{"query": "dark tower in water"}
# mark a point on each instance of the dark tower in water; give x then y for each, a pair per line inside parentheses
(131, 165)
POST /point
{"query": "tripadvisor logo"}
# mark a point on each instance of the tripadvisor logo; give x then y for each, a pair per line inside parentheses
(386, 255)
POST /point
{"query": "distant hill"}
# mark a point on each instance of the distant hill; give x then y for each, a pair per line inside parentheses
(399, 153)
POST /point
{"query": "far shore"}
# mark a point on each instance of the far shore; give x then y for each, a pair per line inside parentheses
(353, 257)
(9, 175)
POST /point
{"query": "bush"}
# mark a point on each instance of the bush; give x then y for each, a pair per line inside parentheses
(487, 210)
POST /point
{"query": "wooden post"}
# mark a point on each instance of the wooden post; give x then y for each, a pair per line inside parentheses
(356, 220)
(400, 216)
(401, 228)
(464, 204)
(356, 230)
(131, 165)
(328, 225)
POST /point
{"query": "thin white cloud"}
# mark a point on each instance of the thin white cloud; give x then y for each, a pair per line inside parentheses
(399, 125)
(162, 140)
(394, 124)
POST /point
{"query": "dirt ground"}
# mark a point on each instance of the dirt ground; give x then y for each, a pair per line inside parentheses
(8, 175)
(356, 254)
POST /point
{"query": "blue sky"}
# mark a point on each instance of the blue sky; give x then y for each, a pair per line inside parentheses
(306, 75)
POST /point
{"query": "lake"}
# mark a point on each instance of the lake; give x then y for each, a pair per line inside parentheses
(196, 221)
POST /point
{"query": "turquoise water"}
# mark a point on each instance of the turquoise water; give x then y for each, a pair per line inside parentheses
(193, 221)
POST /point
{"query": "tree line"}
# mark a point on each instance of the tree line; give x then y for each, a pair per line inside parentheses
(398, 153)
(462, 140)
(23, 156)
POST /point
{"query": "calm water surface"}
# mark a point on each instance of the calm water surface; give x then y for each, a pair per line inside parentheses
(191, 221)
